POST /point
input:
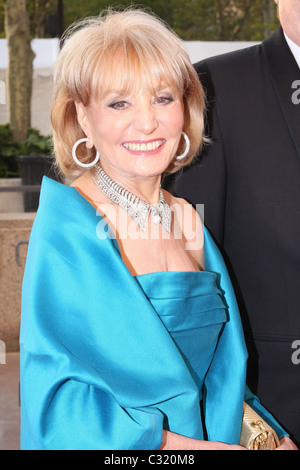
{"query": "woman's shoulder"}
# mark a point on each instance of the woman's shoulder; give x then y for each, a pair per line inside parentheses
(62, 213)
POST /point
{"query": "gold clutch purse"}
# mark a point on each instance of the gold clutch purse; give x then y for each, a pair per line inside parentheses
(256, 433)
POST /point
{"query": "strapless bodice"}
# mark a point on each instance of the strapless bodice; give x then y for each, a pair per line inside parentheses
(191, 307)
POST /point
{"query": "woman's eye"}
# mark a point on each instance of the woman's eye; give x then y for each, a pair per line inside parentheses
(118, 105)
(164, 99)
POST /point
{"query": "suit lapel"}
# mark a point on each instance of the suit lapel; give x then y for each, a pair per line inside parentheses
(284, 72)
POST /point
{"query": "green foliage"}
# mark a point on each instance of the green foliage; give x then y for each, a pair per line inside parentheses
(2, 33)
(35, 144)
(9, 166)
(205, 20)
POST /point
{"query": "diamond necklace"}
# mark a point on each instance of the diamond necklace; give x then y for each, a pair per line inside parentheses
(138, 209)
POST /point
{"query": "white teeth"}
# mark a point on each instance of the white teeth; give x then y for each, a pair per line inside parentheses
(143, 147)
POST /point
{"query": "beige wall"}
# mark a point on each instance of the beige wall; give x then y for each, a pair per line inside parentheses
(14, 228)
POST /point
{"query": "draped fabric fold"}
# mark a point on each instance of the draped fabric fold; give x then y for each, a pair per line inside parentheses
(99, 369)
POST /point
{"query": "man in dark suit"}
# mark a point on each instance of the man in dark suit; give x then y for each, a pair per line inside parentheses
(249, 183)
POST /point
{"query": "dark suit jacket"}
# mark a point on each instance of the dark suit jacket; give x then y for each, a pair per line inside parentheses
(249, 182)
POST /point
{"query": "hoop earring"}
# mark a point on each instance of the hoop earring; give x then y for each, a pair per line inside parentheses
(188, 146)
(83, 165)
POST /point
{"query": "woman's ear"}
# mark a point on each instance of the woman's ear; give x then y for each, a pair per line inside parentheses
(83, 122)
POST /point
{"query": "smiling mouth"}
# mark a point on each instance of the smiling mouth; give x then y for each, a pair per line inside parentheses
(144, 146)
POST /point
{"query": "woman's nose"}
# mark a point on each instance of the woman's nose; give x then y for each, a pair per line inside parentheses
(145, 120)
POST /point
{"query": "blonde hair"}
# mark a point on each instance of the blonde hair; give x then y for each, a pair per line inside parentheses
(127, 51)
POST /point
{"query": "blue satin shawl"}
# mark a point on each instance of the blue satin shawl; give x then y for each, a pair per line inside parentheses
(99, 370)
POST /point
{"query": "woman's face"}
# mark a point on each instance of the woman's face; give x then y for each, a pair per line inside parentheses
(136, 135)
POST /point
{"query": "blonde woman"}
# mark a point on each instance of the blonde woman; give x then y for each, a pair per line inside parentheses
(130, 337)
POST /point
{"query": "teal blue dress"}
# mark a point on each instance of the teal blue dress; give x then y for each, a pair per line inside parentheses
(109, 360)
(192, 310)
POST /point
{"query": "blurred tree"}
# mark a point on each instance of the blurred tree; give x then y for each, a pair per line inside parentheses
(269, 16)
(61, 17)
(19, 73)
(205, 20)
(225, 20)
(2, 32)
(40, 14)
